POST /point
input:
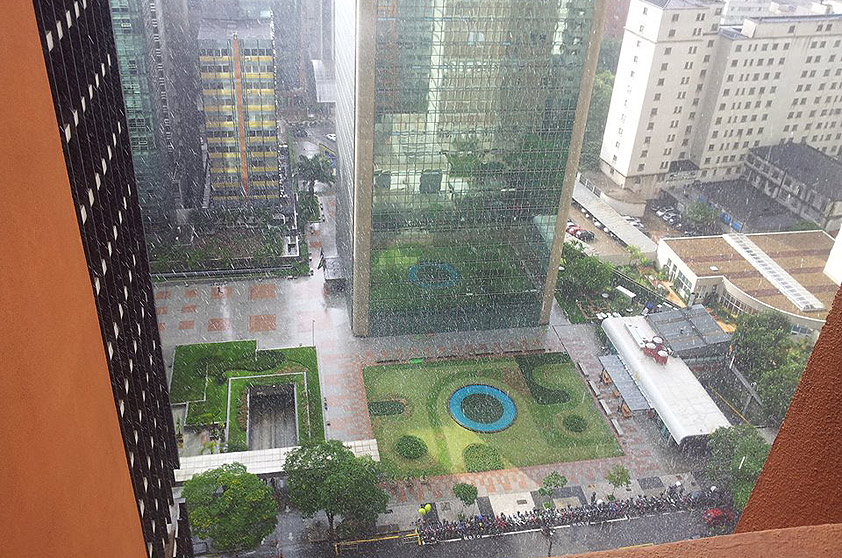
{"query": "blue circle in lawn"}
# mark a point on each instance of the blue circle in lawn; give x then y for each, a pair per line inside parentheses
(433, 275)
(502, 411)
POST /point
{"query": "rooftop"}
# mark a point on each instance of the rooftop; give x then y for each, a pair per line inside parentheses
(743, 203)
(687, 328)
(609, 217)
(215, 29)
(805, 164)
(678, 4)
(682, 403)
(801, 254)
(624, 383)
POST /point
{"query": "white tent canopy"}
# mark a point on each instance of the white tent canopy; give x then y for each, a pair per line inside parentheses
(673, 391)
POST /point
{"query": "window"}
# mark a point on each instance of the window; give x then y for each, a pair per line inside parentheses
(674, 17)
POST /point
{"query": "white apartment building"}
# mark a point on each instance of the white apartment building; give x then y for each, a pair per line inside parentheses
(690, 97)
(736, 11)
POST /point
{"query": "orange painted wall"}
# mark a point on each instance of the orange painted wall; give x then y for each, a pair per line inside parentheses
(801, 483)
(64, 481)
(823, 541)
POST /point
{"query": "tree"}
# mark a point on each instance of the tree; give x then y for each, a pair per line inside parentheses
(585, 275)
(618, 476)
(761, 342)
(777, 386)
(314, 169)
(552, 481)
(465, 492)
(805, 225)
(702, 217)
(597, 117)
(609, 55)
(326, 476)
(737, 455)
(230, 506)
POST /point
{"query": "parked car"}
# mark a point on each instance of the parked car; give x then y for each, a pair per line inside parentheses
(660, 212)
(331, 137)
(718, 516)
(582, 234)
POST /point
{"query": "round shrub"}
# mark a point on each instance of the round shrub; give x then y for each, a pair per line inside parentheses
(479, 457)
(386, 408)
(410, 447)
(575, 423)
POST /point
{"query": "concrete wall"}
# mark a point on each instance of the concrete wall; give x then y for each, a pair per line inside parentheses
(65, 484)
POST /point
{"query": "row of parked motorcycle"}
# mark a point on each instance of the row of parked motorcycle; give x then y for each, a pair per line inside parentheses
(672, 499)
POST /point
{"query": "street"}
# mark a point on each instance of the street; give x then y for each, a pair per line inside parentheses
(656, 529)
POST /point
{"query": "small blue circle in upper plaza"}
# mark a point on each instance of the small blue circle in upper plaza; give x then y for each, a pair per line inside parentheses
(433, 275)
(505, 420)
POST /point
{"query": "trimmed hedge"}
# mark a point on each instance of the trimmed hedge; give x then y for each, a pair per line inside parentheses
(575, 423)
(542, 394)
(480, 457)
(386, 408)
(410, 447)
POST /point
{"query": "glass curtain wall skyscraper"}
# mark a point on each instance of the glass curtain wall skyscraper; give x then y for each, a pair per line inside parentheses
(455, 121)
(138, 38)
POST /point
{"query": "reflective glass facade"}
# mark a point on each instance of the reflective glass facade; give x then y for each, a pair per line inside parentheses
(474, 104)
(139, 54)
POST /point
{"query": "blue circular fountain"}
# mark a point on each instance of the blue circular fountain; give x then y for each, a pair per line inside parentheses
(501, 412)
(433, 275)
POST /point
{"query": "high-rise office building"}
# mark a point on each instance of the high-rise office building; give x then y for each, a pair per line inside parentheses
(138, 38)
(457, 144)
(691, 98)
(237, 63)
(91, 473)
(157, 60)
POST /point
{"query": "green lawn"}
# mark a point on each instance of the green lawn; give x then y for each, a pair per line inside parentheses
(485, 268)
(201, 376)
(545, 389)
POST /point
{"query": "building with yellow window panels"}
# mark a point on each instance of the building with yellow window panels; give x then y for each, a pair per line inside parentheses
(237, 65)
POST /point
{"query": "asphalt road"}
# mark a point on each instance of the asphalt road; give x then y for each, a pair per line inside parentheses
(566, 540)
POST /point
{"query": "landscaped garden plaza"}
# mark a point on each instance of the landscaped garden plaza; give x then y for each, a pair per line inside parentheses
(212, 379)
(453, 416)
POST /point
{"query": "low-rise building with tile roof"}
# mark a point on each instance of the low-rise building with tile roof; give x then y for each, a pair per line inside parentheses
(783, 272)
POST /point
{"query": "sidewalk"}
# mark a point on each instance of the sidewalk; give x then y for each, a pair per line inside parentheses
(405, 501)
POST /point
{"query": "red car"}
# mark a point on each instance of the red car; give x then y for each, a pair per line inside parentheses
(718, 516)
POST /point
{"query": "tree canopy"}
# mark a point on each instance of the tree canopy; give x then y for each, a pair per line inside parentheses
(466, 492)
(597, 117)
(584, 275)
(618, 476)
(702, 217)
(552, 481)
(314, 169)
(737, 455)
(761, 342)
(777, 386)
(230, 506)
(328, 477)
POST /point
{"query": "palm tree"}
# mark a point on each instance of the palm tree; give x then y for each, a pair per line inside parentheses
(314, 169)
